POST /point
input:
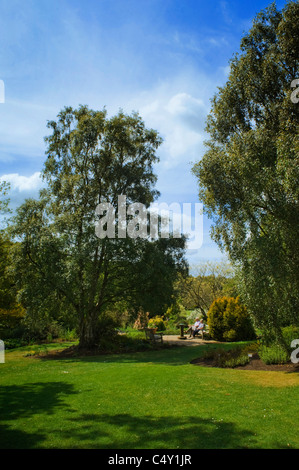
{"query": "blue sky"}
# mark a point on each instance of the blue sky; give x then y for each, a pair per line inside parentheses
(162, 58)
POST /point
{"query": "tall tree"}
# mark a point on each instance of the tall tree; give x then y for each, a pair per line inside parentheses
(248, 177)
(4, 200)
(7, 293)
(91, 159)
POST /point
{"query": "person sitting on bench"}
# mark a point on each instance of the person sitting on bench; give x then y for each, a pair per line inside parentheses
(197, 327)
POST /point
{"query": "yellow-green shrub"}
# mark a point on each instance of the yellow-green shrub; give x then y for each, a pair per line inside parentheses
(157, 322)
(229, 320)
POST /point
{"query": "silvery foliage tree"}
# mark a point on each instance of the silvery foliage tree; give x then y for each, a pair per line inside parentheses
(60, 261)
(248, 177)
(7, 291)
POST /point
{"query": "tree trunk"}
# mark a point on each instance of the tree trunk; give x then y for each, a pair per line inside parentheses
(89, 334)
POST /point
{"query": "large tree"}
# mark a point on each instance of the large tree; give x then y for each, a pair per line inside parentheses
(61, 261)
(7, 293)
(4, 200)
(248, 177)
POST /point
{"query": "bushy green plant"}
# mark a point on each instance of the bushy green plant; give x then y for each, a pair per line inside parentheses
(290, 333)
(11, 320)
(70, 335)
(229, 320)
(273, 354)
(175, 312)
(227, 358)
(251, 348)
(172, 329)
(157, 322)
(13, 343)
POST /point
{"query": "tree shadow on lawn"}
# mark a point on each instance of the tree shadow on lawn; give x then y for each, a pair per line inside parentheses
(124, 431)
(175, 356)
(20, 403)
(23, 402)
(102, 431)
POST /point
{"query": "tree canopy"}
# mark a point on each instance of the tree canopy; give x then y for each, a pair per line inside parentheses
(209, 281)
(248, 177)
(61, 264)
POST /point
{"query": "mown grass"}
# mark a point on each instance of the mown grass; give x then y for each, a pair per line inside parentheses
(144, 400)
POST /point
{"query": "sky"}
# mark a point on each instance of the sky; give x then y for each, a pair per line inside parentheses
(164, 59)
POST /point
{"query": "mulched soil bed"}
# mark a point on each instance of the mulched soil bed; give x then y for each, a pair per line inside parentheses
(255, 364)
(75, 351)
(71, 352)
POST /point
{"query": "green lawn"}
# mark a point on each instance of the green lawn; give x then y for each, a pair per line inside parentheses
(145, 400)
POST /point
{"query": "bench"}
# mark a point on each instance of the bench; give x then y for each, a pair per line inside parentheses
(204, 331)
(151, 334)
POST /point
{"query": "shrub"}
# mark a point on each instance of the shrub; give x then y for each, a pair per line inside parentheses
(289, 333)
(251, 348)
(274, 354)
(228, 320)
(13, 343)
(11, 319)
(175, 312)
(70, 335)
(271, 352)
(157, 322)
(227, 358)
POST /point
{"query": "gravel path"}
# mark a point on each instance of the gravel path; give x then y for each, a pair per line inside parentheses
(174, 339)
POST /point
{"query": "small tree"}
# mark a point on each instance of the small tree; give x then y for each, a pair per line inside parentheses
(209, 281)
(229, 320)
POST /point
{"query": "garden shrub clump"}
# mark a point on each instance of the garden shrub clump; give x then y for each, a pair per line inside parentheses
(234, 357)
(11, 322)
(273, 352)
(229, 320)
(157, 322)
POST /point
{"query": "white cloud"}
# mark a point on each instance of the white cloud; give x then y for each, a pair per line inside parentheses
(190, 111)
(179, 115)
(22, 187)
(22, 129)
(23, 183)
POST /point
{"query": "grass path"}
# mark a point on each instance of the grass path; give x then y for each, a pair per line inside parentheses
(152, 400)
